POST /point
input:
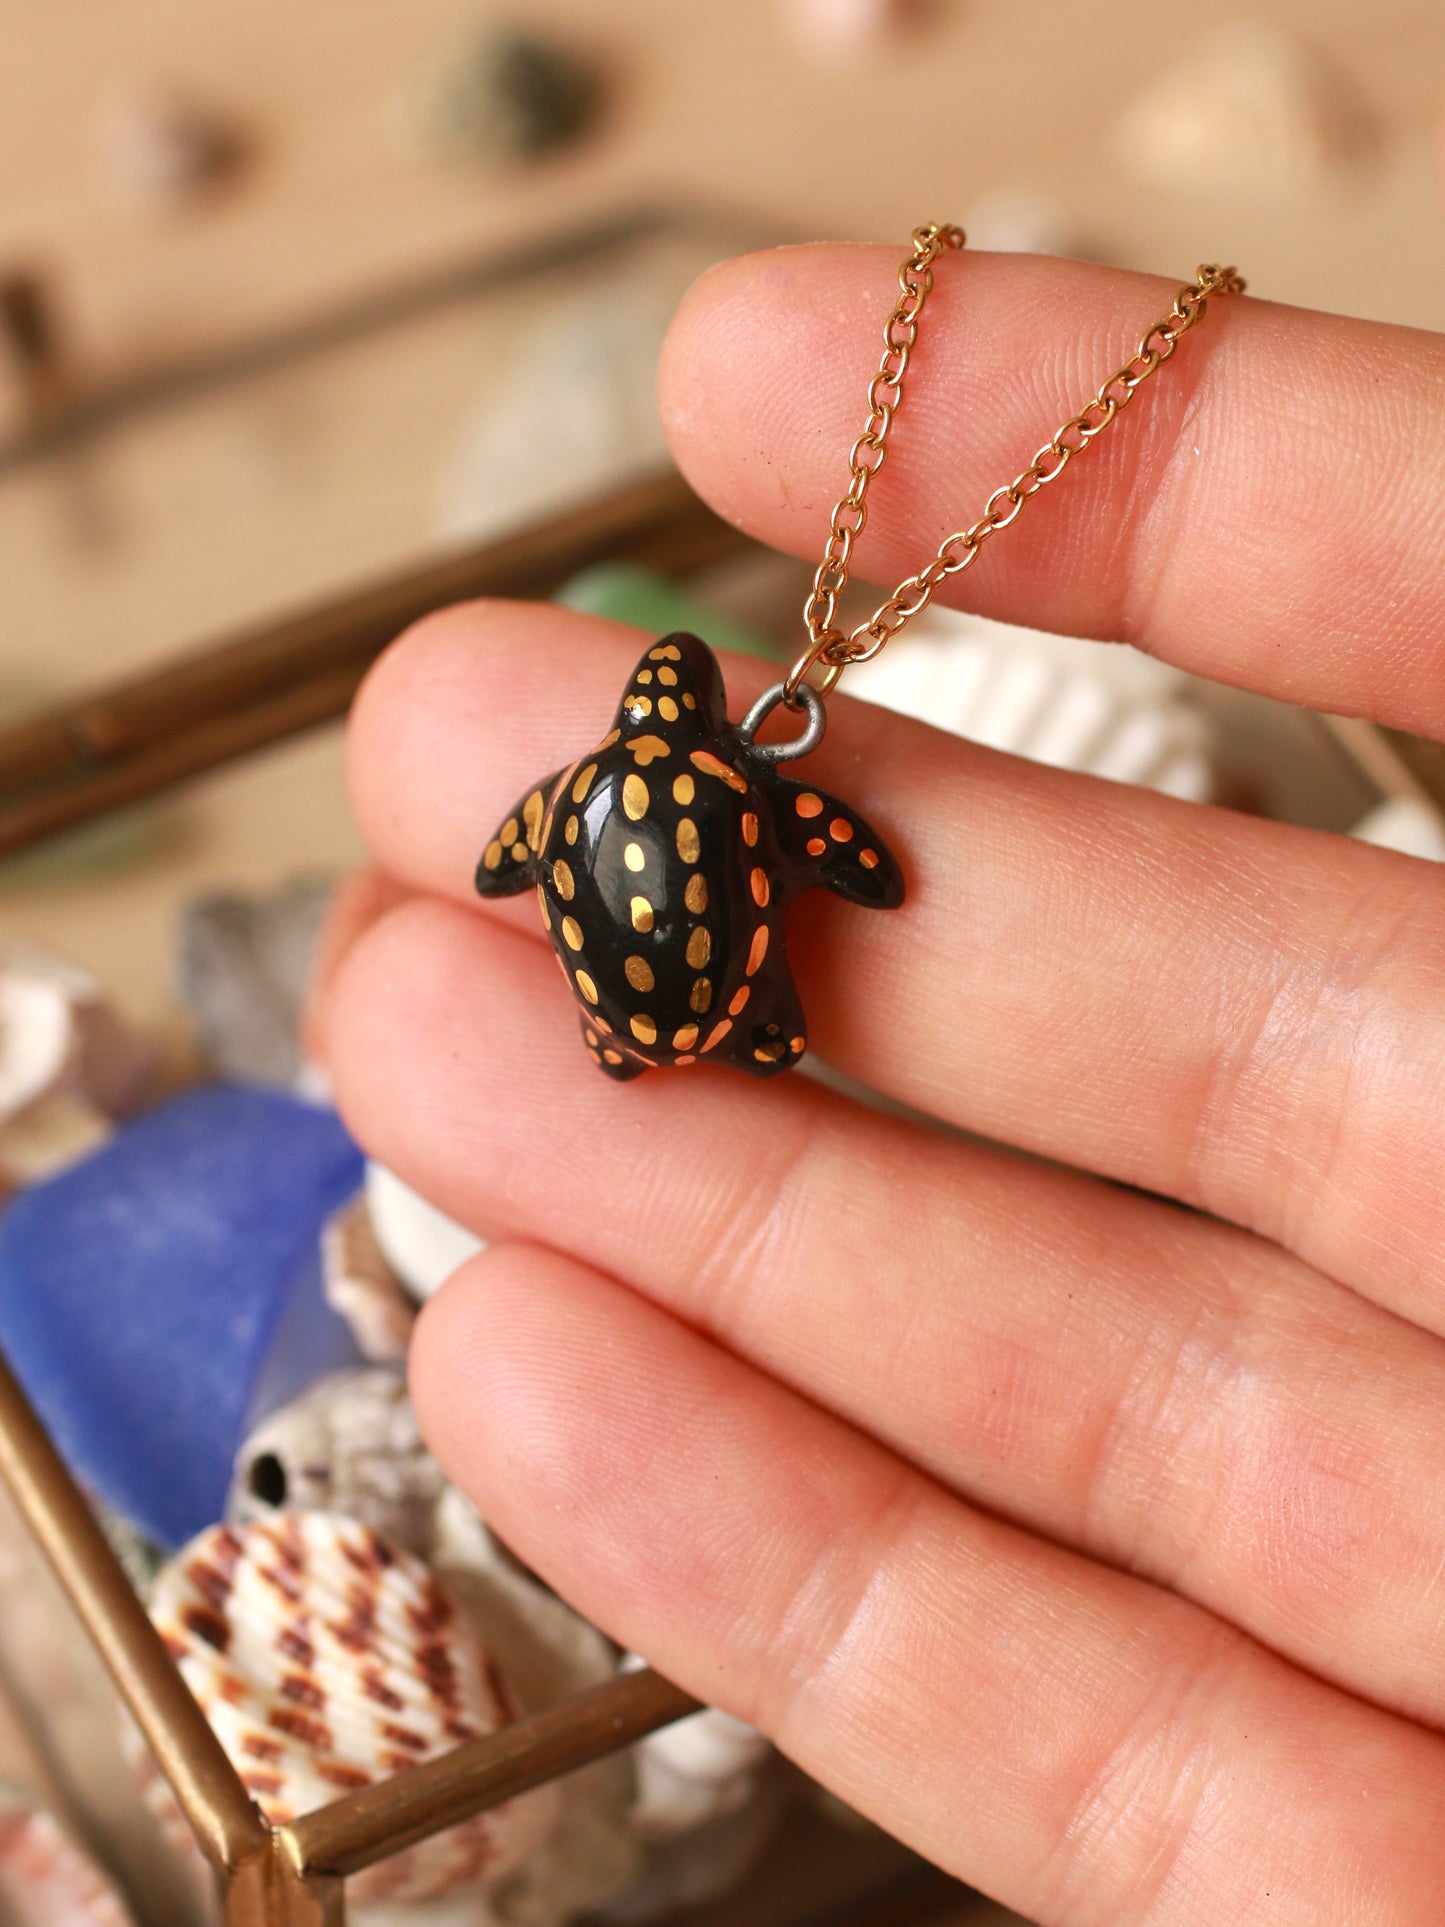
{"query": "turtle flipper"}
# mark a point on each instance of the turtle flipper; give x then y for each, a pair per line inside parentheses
(509, 863)
(613, 1063)
(829, 846)
(766, 1033)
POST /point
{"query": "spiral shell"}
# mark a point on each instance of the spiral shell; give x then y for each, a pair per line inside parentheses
(326, 1660)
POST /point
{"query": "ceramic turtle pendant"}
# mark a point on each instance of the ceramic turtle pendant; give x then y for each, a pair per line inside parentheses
(664, 863)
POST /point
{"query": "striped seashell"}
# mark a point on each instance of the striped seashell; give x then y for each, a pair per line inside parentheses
(46, 1880)
(328, 1659)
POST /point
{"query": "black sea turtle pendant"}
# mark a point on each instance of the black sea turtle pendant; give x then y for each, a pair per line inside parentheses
(664, 863)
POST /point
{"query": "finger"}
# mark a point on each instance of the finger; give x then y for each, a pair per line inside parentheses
(1151, 1388)
(1267, 511)
(1075, 1742)
(1245, 1017)
(357, 902)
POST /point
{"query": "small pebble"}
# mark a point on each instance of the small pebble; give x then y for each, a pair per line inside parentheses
(504, 96)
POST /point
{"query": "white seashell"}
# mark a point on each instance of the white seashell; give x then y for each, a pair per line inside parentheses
(349, 1445)
(327, 1660)
(421, 1244)
(57, 1033)
(1253, 108)
(1021, 220)
(362, 1288)
(1102, 708)
(1405, 823)
(841, 29)
(695, 1771)
(46, 1880)
(548, 1653)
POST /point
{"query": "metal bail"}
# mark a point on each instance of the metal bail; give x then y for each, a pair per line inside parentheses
(802, 745)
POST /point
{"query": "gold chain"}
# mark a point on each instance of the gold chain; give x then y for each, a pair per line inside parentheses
(834, 648)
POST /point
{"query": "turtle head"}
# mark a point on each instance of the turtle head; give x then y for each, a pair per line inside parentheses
(676, 691)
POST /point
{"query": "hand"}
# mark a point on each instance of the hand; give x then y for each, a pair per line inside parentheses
(1093, 1546)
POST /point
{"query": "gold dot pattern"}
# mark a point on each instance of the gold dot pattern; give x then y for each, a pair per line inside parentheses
(563, 881)
(639, 973)
(641, 914)
(638, 707)
(519, 852)
(798, 1046)
(759, 949)
(665, 652)
(816, 846)
(689, 701)
(634, 857)
(701, 998)
(635, 798)
(613, 1056)
(740, 1000)
(571, 830)
(695, 895)
(644, 676)
(711, 765)
(585, 985)
(717, 1034)
(689, 843)
(683, 789)
(647, 749)
(508, 831)
(869, 859)
(841, 830)
(685, 1038)
(644, 1029)
(572, 931)
(667, 709)
(809, 805)
(699, 949)
(493, 854)
(750, 829)
(770, 1053)
(668, 678)
(583, 783)
(532, 817)
(758, 884)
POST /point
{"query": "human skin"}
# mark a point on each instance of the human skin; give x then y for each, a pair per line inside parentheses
(1092, 1545)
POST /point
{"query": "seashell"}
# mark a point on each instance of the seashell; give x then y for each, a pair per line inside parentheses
(548, 1653)
(362, 1288)
(422, 1245)
(836, 30)
(497, 96)
(349, 1445)
(163, 149)
(48, 1136)
(326, 1660)
(1405, 823)
(696, 1771)
(1021, 220)
(243, 968)
(46, 1880)
(58, 1034)
(1253, 108)
(1102, 708)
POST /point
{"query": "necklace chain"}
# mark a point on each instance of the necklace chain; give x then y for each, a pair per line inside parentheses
(831, 649)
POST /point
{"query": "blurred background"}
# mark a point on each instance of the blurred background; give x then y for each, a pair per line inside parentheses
(292, 296)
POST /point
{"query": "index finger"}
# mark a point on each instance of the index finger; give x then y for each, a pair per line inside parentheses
(1269, 511)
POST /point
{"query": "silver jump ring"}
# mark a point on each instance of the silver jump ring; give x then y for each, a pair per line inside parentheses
(763, 708)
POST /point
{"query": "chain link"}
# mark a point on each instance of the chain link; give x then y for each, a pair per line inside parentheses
(831, 649)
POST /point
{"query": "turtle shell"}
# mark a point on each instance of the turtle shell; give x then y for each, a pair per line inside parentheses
(664, 862)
